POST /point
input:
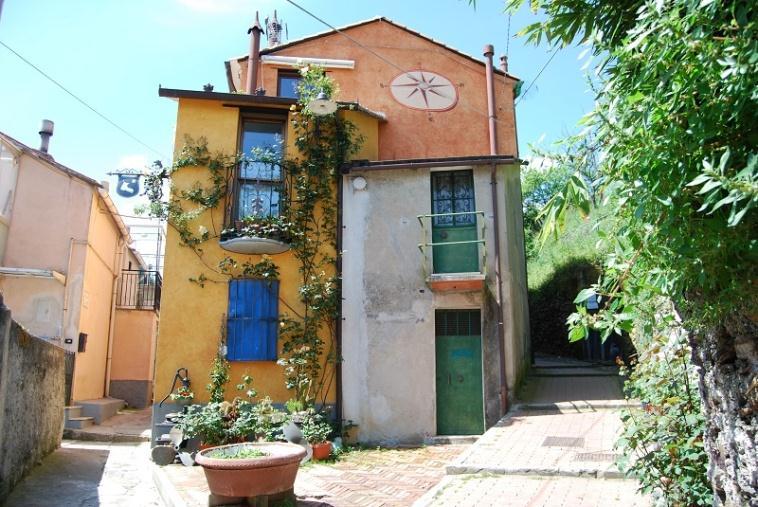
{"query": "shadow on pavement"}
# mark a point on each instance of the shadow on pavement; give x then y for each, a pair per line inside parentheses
(69, 476)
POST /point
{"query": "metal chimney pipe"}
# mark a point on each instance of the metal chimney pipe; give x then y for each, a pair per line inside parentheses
(255, 32)
(45, 133)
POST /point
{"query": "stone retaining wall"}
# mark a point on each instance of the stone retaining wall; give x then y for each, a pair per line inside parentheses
(32, 394)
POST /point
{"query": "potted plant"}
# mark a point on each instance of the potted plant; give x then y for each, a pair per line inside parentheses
(221, 422)
(249, 469)
(316, 431)
(183, 396)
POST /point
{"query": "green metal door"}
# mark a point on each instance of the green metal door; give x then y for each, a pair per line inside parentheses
(459, 372)
(452, 193)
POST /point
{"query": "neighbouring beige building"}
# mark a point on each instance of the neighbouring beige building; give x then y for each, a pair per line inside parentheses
(63, 254)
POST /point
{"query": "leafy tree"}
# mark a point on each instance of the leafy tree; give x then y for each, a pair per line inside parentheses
(676, 120)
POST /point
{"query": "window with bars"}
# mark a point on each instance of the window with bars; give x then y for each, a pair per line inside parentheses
(453, 192)
(252, 320)
(260, 183)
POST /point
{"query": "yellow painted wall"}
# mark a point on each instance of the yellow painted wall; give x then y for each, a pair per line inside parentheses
(101, 265)
(192, 317)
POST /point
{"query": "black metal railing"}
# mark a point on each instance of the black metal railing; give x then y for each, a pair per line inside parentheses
(139, 289)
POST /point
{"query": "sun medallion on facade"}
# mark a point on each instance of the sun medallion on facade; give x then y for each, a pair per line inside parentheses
(424, 90)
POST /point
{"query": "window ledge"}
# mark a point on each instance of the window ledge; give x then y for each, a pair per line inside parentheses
(456, 282)
(254, 245)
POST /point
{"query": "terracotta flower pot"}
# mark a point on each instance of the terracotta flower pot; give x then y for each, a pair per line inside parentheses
(322, 450)
(247, 477)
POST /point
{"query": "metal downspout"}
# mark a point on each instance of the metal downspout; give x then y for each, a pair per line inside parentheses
(338, 330)
(118, 261)
(489, 51)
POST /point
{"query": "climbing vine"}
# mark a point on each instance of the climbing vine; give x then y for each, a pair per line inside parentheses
(308, 222)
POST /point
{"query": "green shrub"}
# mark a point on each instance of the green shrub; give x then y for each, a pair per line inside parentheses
(662, 443)
(556, 273)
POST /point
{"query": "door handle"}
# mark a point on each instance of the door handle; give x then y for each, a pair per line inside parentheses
(443, 235)
(449, 379)
(460, 378)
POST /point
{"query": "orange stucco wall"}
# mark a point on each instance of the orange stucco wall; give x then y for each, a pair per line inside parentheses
(410, 133)
(134, 344)
(103, 259)
(192, 317)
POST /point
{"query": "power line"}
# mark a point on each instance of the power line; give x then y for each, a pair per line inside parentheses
(537, 76)
(81, 101)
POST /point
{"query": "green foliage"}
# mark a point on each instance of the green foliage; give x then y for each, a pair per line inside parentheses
(219, 377)
(324, 143)
(556, 272)
(675, 121)
(265, 269)
(538, 185)
(316, 429)
(205, 422)
(662, 443)
(222, 422)
(237, 452)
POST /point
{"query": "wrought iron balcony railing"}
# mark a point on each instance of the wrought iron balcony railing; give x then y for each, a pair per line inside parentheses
(139, 289)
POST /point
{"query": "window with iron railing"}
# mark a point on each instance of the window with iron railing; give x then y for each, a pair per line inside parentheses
(139, 289)
(260, 180)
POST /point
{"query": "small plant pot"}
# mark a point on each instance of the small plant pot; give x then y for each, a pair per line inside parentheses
(322, 450)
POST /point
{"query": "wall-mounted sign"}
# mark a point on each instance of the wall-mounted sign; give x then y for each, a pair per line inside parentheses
(424, 90)
(128, 185)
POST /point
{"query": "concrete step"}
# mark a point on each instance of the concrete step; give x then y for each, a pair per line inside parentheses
(78, 423)
(72, 411)
(101, 409)
(451, 439)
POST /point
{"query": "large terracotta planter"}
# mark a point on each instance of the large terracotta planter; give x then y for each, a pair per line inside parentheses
(249, 477)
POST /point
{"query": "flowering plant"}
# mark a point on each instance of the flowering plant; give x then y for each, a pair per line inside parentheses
(274, 227)
(183, 393)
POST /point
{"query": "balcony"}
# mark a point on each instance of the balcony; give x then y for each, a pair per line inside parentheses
(454, 251)
(139, 290)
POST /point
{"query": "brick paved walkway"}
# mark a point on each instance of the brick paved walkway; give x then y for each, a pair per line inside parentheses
(519, 491)
(554, 450)
(549, 442)
(388, 477)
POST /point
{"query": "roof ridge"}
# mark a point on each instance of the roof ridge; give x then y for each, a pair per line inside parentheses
(356, 24)
(47, 158)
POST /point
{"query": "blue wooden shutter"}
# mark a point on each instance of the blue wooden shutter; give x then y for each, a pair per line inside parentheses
(253, 320)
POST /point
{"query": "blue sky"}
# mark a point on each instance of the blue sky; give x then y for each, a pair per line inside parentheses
(114, 54)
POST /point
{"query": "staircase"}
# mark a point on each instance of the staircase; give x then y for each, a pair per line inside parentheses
(89, 412)
(74, 419)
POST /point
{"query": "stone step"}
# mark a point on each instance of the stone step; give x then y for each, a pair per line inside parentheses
(101, 409)
(72, 411)
(78, 423)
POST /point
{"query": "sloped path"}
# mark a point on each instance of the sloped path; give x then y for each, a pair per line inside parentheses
(554, 449)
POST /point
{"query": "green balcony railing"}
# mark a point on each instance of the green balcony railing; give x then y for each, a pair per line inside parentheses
(453, 249)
